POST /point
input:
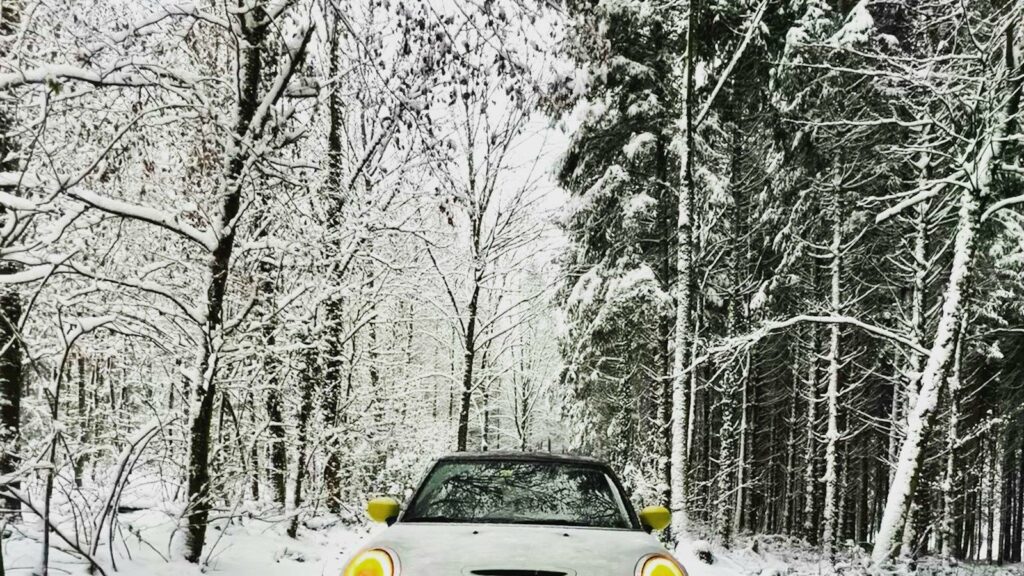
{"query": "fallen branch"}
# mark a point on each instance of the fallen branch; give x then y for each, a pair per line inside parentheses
(69, 541)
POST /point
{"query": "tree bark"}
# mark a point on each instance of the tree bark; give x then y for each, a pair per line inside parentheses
(917, 319)
(1017, 534)
(684, 292)
(272, 383)
(828, 540)
(908, 464)
(665, 362)
(485, 442)
(739, 508)
(379, 398)
(11, 375)
(469, 358)
(11, 383)
(334, 314)
(810, 528)
(84, 439)
(306, 385)
(949, 478)
(250, 68)
(730, 453)
(788, 496)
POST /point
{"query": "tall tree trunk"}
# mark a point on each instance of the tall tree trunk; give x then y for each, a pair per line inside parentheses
(332, 470)
(730, 441)
(918, 295)
(334, 315)
(250, 69)
(694, 387)
(707, 450)
(828, 540)
(469, 358)
(485, 431)
(1017, 534)
(454, 376)
(788, 495)
(311, 374)
(908, 464)
(485, 441)
(84, 439)
(254, 451)
(741, 443)
(994, 478)
(727, 466)
(908, 549)
(272, 382)
(11, 384)
(522, 396)
(810, 528)
(843, 523)
(684, 292)
(967, 513)
(949, 477)
(664, 379)
(56, 439)
(861, 528)
(895, 431)
(379, 397)
(1002, 544)
(11, 375)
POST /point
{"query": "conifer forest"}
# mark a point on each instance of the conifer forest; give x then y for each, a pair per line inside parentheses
(264, 260)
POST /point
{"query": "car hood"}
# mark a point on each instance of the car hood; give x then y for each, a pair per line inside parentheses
(436, 549)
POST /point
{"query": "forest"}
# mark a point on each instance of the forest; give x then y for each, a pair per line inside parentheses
(262, 260)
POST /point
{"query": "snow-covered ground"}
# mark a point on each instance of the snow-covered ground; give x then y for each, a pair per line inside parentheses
(251, 546)
(777, 555)
(248, 546)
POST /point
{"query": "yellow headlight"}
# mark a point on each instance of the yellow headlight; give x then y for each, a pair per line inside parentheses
(659, 565)
(375, 562)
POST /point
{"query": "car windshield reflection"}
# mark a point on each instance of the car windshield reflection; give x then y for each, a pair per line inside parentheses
(511, 492)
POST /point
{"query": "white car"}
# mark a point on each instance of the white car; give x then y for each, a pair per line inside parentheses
(516, 514)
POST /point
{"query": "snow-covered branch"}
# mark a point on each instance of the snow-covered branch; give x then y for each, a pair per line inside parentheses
(151, 215)
(732, 345)
(118, 75)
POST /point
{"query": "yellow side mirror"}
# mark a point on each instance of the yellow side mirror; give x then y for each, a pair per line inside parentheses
(655, 518)
(383, 510)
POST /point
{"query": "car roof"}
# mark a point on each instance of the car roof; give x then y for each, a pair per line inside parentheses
(520, 456)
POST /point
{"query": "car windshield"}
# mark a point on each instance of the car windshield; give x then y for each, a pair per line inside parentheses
(520, 492)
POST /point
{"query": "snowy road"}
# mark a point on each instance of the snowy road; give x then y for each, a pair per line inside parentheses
(251, 547)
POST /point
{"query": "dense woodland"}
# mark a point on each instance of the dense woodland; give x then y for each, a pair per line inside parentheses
(271, 257)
